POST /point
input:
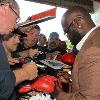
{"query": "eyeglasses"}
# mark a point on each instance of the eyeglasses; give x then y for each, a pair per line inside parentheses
(18, 19)
(68, 28)
(65, 33)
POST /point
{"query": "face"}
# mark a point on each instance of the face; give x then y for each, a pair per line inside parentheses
(74, 34)
(62, 45)
(12, 43)
(42, 39)
(8, 19)
(32, 36)
(53, 42)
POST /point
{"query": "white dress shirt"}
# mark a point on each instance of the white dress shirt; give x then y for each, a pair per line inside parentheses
(80, 44)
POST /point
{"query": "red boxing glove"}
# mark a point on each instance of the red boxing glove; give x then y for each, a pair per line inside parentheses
(68, 58)
(25, 89)
(45, 84)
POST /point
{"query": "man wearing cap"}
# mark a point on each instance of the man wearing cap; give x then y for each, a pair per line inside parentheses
(32, 32)
(28, 45)
(53, 41)
(53, 48)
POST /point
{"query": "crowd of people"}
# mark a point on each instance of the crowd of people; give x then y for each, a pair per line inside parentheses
(21, 48)
(16, 45)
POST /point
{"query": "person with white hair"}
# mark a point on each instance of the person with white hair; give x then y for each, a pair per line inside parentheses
(9, 17)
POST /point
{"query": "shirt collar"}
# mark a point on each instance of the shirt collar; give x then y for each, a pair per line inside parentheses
(80, 44)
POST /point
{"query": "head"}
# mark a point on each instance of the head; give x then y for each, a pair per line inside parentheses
(76, 22)
(62, 45)
(10, 41)
(32, 32)
(9, 15)
(53, 40)
(42, 40)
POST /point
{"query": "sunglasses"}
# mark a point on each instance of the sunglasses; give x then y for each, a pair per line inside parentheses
(65, 33)
(18, 17)
(68, 28)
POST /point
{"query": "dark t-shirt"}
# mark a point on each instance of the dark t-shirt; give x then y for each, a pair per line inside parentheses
(7, 78)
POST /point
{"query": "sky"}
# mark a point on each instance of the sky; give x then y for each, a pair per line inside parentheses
(30, 8)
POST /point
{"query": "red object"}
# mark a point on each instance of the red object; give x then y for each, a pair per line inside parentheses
(59, 57)
(68, 58)
(45, 14)
(40, 17)
(44, 84)
(25, 89)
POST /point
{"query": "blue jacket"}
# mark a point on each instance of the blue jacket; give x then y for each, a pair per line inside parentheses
(7, 78)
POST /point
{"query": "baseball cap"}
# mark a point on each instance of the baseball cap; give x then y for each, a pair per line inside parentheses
(54, 34)
(29, 28)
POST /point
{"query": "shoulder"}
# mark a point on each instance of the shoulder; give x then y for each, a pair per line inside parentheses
(96, 38)
(93, 39)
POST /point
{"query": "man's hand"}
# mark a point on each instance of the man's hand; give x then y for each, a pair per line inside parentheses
(12, 61)
(59, 93)
(24, 54)
(27, 72)
(30, 70)
(33, 52)
(63, 76)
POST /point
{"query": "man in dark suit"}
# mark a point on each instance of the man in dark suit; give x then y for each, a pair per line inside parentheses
(86, 69)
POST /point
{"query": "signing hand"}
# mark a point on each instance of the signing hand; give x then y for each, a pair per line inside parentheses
(63, 76)
(31, 70)
(33, 52)
(12, 61)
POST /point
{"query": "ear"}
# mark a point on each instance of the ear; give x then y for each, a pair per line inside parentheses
(78, 22)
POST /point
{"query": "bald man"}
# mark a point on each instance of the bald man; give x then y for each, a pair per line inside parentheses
(76, 21)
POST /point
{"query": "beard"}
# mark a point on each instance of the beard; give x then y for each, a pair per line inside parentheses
(75, 38)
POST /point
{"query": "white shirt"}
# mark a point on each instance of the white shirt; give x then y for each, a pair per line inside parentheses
(80, 44)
